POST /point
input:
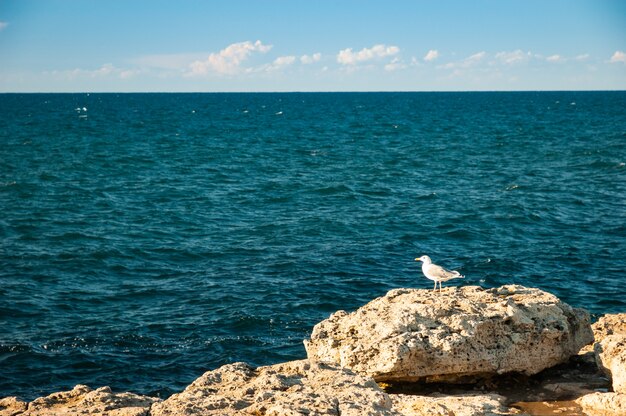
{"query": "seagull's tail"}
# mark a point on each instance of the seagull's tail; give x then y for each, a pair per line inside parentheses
(458, 276)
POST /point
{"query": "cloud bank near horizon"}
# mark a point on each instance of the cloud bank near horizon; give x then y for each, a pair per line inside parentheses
(249, 59)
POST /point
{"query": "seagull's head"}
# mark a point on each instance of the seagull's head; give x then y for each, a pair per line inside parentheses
(424, 259)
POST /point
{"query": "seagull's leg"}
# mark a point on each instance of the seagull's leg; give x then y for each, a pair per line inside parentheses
(435, 288)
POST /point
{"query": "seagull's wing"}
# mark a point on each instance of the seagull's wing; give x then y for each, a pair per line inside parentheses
(440, 273)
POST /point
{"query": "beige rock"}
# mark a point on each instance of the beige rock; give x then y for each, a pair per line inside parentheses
(412, 334)
(611, 324)
(603, 404)
(611, 358)
(457, 405)
(84, 401)
(11, 406)
(293, 388)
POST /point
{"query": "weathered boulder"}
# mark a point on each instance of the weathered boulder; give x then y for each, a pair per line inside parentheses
(293, 388)
(611, 358)
(84, 401)
(412, 334)
(11, 406)
(603, 404)
(455, 405)
(610, 324)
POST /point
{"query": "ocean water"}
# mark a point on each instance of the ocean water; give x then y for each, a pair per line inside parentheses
(147, 238)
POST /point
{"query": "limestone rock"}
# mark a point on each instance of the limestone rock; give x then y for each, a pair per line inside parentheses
(611, 358)
(603, 404)
(412, 334)
(610, 324)
(293, 388)
(84, 401)
(456, 405)
(11, 406)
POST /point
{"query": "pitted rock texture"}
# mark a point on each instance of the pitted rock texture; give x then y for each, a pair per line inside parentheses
(456, 405)
(610, 324)
(611, 358)
(83, 401)
(413, 334)
(11, 406)
(603, 404)
(293, 388)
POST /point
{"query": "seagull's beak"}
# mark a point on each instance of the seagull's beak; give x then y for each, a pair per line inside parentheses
(418, 259)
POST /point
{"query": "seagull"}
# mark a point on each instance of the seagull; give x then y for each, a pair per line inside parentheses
(437, 273)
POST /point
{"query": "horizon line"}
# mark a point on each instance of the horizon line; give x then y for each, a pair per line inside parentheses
(308, 92)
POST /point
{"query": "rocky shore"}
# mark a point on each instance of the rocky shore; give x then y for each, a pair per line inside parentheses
(510, 350)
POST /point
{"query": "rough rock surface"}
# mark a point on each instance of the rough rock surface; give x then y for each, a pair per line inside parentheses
(611, 358)
(293, 388)
(84, 401)
(610, 324)
(413, 334)
(11, 406)
(459, 405)
(603, 404)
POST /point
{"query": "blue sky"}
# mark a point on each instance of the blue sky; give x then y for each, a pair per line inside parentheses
(280, 45)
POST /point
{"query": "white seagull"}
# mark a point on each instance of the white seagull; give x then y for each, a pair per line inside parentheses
(437, 273)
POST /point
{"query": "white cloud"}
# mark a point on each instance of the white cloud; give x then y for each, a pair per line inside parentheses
(229, 59)
(284, 60)
(431, 55)
(618, 56)
(582, 57)
(515, 57)
(276, 65)
(349, 57)
(106, 71)
(555, 58)
(476, 57)
(3, 25)
(395, 65)
(309, 59)
(470, 61)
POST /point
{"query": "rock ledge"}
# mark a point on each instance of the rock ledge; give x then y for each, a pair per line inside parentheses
(460, 333)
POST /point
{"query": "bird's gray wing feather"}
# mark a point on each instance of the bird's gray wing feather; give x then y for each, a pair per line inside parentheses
(441, 273)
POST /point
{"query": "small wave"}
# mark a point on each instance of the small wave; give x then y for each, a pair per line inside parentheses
(334, 190)
(431, 195)
(14, 348)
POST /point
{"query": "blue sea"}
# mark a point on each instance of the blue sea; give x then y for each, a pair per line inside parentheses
(147, 238)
